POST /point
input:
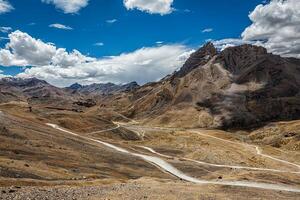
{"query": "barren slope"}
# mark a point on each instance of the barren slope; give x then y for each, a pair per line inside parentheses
(239, 87)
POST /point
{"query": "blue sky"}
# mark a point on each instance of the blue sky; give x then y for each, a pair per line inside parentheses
(134, 29)
(122, 30)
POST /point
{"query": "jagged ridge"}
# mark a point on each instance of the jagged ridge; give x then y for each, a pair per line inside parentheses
(241, 86)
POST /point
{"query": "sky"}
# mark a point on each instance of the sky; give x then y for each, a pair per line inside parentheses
(87, 41)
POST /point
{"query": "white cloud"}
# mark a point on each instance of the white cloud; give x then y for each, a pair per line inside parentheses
(23, 50)
(4, 76)
(207, 30)
(68, 6)
(60, 26)
(161, 7)
(277, 26)
(99, 44)
(111, 21)
(5, 6)
(229, 42)
(9, 59)
(142, 65)
(5, 29)
(61, 68)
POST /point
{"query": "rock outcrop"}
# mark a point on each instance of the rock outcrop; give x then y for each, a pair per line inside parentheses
(241, 86)
(200, 57)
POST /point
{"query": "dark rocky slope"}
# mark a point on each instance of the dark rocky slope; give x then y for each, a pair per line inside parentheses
(36, 92)
(103, 88)
(239, 87)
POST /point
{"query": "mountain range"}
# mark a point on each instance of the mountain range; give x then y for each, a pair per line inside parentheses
(241, 86)
(225, 121)
(103, 88)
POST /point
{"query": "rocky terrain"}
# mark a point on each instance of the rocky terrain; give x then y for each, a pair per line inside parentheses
(242, 86)
(36, 92)
(224, 126)
(239, 87)
(140, 190)
(103, 89)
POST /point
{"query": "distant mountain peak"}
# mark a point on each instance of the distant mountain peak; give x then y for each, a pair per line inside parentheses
(103, 88)
(25, 82)
(130, 86)
(75, 86)
(208, 47)
(198, 58)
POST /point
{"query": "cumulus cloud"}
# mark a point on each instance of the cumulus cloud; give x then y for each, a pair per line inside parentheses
(62, 68)
(68, 6)
(5, 29)
(5, 6)
(142, 65)
(277, 26)
(60, 26)
(161, 7)
(24, 50)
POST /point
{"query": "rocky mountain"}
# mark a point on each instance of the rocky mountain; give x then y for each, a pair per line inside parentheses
(75, 86)
(40, 93)
(103, 88)
(238, 87)
(35, 91)
(200, 57)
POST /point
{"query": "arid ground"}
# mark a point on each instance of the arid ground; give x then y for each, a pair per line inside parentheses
(38, 161)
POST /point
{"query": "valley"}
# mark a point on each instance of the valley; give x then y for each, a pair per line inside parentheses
(200, 158)
(218, 128)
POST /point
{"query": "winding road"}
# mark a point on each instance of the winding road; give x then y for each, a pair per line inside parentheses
(252, 147)
(257, 149)
(219, 165)
(166, 167)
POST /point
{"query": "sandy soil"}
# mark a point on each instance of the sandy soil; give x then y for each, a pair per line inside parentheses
(39, 162)
(144, 188)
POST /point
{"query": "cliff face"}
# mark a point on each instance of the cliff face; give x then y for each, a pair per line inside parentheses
(198, 58)
(239, 87)
(263, 87)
